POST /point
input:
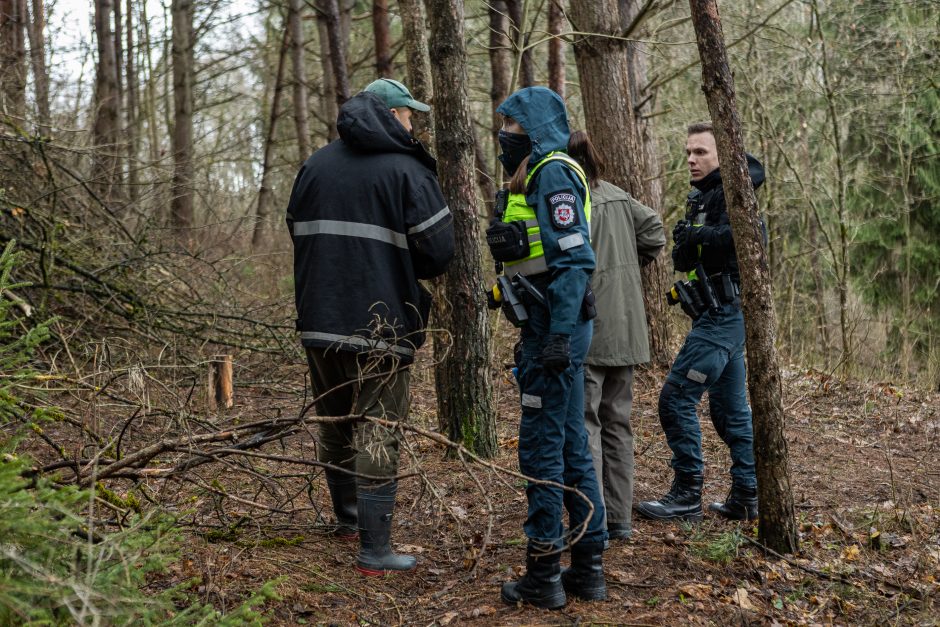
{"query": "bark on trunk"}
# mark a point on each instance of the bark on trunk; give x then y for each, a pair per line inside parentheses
(556, 47)
(383, 39)
(328, 85)
(263, 218)
(464, 390)
(37, 57)
(295, 26)
(12, 59)
(518, 14)
(107, 117)
(657, 275)
(777, 524)
(414, 31)
(133, 104)
(181, 203)
(337, 51)
(500, 68)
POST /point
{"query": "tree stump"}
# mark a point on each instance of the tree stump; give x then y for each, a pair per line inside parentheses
(220, 382)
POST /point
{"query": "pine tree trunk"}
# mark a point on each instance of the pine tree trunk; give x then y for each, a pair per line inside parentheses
(295, 26)
(464, 390)
(414, 32)
(132, 106)
(519, 14)
(556, 47)
(263, 221)
(37, 55)
(328, 94)
(12, 59)
(777, 524)
(500, 50)
(383, 39)
(657, 275)
(335, 38)
(181, 202)
(106, 128)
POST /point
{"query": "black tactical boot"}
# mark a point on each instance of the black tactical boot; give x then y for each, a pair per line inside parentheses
(682, 502)
(376, 503)
(343, 494)
(740, 505)
(540, 585)
(585, 578)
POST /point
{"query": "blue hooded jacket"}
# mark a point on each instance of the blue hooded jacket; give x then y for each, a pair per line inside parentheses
(566, 243)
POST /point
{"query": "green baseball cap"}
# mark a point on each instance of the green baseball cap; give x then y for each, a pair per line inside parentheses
(395, 94)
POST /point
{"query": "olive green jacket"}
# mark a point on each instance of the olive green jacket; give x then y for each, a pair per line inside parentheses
(625, 234)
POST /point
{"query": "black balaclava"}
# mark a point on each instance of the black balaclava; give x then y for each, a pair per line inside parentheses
(516, 147)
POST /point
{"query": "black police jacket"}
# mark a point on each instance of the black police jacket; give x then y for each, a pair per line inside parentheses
(367, 220)
(714, 245)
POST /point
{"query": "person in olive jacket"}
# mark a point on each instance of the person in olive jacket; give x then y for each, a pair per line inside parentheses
(626, 235)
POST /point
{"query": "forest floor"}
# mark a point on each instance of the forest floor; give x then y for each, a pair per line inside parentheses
(865, 471)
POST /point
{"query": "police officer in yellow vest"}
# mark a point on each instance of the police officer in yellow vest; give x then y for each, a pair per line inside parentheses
(544, 236)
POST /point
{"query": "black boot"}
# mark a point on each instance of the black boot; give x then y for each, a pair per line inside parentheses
(682, 502)
(376, 503)
(540, 585)
(585, 578)
(740, 505)
(343, 494)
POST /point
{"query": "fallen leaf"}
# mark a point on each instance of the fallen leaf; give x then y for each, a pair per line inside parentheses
(483, 610)
(411, 548)
(696, 590)
(448, 618)
(740, 597)
(850, 553)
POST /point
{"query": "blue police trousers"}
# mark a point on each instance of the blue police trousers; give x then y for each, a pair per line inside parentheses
(712, 360)
(553, 443)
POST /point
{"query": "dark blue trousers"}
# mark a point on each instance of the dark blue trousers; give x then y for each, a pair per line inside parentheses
(712, 360)
(553, 443)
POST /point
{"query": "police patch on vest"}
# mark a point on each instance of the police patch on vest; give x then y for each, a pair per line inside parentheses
(564, 208)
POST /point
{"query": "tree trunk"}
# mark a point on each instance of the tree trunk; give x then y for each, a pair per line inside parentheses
(337, 51)
(556, 47)
(485, 180)
(464, 390)
(383, 39)
(777, 524)
(107, 117)
(295, 26)
(37, 56)
(657, 275)
(181, 203)
(518, 14)
(328, 86)
(12, 59)
(414, 32)
(263, 221)
(500, 68)
(132, 106)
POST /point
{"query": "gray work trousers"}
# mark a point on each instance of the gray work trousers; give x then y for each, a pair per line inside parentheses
(346, 383)
(608, 400)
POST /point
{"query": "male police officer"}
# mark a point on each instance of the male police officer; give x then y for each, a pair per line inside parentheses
(367, 220)
(712, 358)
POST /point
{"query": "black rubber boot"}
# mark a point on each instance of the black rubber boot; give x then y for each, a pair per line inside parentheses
(682, 502)
(343, 494)
(540, 585)
(376, 503)
(741, 504)
(585, 578)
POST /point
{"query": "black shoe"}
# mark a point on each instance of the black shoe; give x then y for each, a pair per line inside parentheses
(682, 502)
(619, 531)
(540, 585)
(740, 505)
(376, 503)
(343, 494)
(585, 578)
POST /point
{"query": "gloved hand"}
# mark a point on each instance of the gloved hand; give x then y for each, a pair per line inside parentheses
(555, 356)
(679, 230)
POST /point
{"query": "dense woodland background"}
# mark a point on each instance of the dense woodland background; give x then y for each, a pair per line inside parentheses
(147, 152)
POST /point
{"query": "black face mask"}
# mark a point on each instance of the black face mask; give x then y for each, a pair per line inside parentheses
(516, 147)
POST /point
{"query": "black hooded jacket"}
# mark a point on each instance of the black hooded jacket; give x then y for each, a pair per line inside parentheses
(707, 207)
(367, 219)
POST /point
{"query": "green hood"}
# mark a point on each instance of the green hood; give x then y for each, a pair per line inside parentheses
(541, 113)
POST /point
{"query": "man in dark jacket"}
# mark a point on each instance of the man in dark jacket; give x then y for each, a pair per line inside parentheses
(712, 358)
(367, 219)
